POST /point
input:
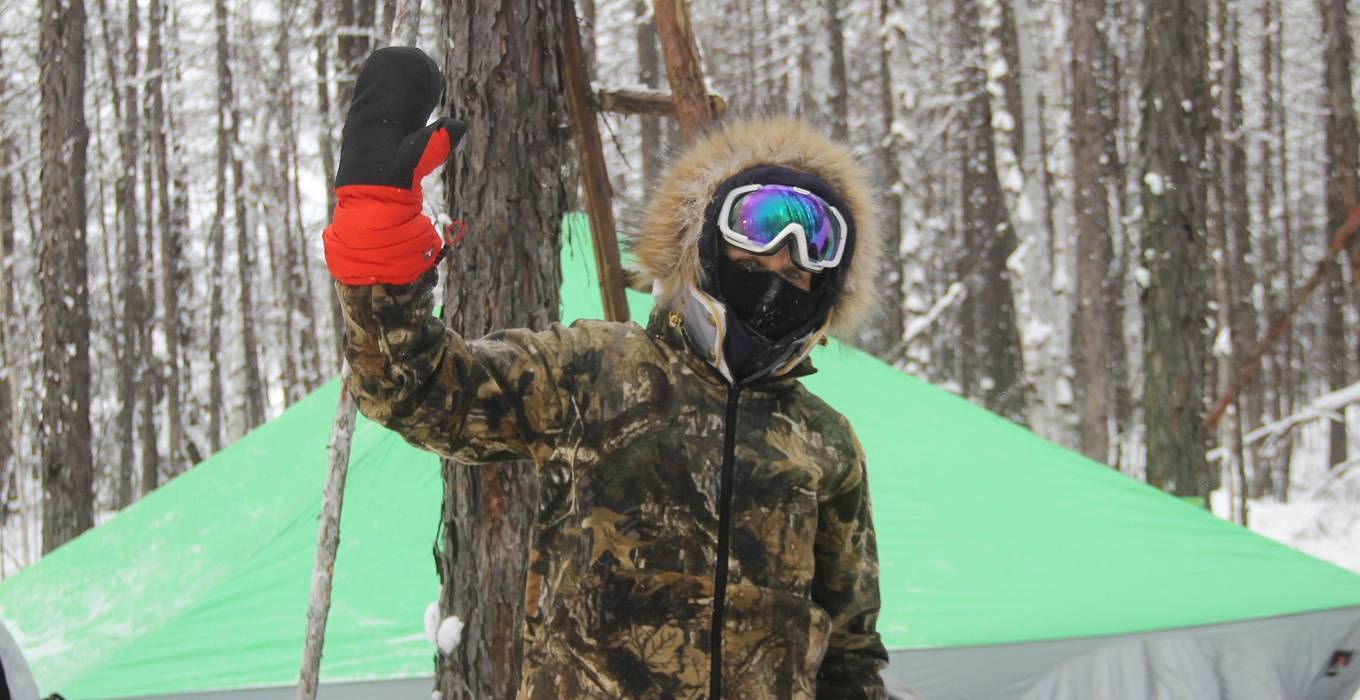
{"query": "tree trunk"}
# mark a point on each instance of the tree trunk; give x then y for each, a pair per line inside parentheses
(684, 71)
(9, 447)
(130, 357)
(218, 234)
(1171, 142)
(892, 327)
(1094, 251)
(508, 185)
(172, 269)
(64, 442)
(649, 72)
(839, 98)
(325, 144)
(1287, 243)
(1000, 382)
(1245, 325)
(1341, 144)
(252, 381)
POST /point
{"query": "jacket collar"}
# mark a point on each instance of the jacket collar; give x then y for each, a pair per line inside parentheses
(669, 327)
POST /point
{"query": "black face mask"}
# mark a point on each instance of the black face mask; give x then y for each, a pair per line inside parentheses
(767, 303)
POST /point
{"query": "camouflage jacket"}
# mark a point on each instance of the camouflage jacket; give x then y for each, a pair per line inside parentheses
(665, 471)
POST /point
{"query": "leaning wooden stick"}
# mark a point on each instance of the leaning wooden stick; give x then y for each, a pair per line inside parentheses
(327, 540)
(342, 433)
(1247, 370)
(594, 177)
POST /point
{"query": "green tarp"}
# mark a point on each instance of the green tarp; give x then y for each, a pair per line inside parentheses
(987, 535)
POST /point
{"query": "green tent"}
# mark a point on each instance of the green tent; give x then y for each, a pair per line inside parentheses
(1011, 567)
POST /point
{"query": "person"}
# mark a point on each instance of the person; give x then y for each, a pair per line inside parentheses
(704, 529)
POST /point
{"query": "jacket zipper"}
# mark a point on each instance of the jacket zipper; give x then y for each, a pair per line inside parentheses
(724, 524)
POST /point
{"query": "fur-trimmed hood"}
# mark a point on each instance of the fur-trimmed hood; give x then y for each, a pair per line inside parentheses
(667, 245)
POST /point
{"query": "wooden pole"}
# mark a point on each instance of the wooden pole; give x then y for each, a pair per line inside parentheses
(1247, 370)
(683, 69)
(647, 103)
(594, 176)
(403, 32)
(327, 540)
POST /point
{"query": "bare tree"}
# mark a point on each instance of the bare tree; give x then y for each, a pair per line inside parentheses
(1171, 142)
(1342, 143)
(65, 440)
(509, 183)
(997, 379)
(8, 370)
(889, 331)
(839, 106)
(172, 269)
(126, 114)
(218, 234)
(649, 72)
(1095, 288)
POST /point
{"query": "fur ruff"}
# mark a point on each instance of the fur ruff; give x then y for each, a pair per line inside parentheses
(667, 245)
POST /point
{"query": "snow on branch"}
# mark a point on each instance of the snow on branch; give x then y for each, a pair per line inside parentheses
(918, 326)
(1328, 406)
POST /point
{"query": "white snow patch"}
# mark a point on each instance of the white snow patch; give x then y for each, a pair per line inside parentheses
(998, 69)
(1223, 343)
(449, 634)
(1003, 121)
(432, 621)
(1062, 393)
(1155, 184)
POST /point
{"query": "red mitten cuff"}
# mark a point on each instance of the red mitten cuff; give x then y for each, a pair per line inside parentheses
(379, 236)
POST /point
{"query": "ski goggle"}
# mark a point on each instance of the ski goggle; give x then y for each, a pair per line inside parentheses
(760, 218)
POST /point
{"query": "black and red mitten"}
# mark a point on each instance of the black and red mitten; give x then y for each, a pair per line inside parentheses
(378, 234)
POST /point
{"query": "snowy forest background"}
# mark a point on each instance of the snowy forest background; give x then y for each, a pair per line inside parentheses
(1005, 134)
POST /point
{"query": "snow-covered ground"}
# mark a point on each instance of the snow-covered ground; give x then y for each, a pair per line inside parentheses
(1322, 516)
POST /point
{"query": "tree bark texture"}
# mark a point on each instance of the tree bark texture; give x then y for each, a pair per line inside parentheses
(889, 331)
(1242, 258)
(64, 441)
(1342, 143)
(1094, 251)
(218, 234)
(1171, 141)
(990, 306)
(130, 289)
(173, 274)
(684, 72)
(509, 183)
(839, 103)
(649, 73)
(8, 371)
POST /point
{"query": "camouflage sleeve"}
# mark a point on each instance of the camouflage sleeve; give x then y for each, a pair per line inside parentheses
(487, 400)
(846, 586)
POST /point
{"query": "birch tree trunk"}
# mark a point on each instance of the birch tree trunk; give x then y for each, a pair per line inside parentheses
(509, 183)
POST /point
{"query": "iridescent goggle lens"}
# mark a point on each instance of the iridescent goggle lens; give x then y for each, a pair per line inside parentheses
(758, 218)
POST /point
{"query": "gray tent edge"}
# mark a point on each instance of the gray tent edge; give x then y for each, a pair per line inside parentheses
(1287, 657)
(16, 676)
(399, 688)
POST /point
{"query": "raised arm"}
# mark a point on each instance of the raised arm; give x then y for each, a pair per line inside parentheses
(478, 401)
(492, 399)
